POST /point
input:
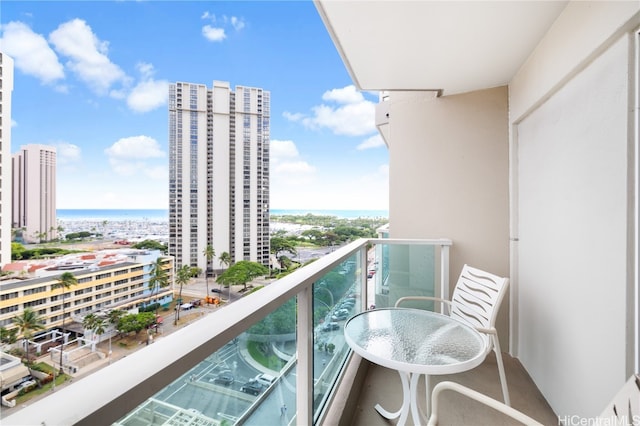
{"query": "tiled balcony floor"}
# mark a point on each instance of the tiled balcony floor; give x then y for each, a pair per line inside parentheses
(382, 385)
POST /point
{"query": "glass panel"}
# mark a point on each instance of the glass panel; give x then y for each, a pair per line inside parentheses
(336, 297)
(248, 381)
(400, 270)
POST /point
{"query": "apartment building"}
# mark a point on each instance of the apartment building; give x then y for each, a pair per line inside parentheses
(6, 89)
(107, 279)
(34, 193)
(218, 173)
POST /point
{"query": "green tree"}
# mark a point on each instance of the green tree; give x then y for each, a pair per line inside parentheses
(182, 278)
(136, 322)
(280, 321)
(209, 253)
(281, 244)
(17, 251)
(242, 272)
(113, 319)
(8, 336)
(28, 322)
(88, 321)
(158, 278)
(99, 327)
(314, 235)
(95, 324)
(225, 259)
(65, 281)
(151, 245)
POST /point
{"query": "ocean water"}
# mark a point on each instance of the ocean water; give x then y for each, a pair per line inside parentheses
(154, 215)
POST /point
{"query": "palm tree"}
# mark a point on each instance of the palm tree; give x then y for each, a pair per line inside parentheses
(114, 318)
(99, 327)
(209, 253)
(158, 278)
(27, 323)
(182, 277)
(95, 324)
(225, 259)
(65, 282)
(89, 321)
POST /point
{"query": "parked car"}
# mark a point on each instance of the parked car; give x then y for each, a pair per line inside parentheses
(330, 326)
(224, 378)
(253, 387)
(216, 290)
(265, 379)
(340, 316)
(26, 385)
(347, 306)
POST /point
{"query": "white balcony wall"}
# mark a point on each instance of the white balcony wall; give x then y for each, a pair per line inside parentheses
(572, 174)
(448, 163)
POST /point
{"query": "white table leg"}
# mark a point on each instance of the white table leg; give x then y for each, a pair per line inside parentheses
(403, 412)
(415, 411)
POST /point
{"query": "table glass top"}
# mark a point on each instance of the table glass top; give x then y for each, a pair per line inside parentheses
(413, 339)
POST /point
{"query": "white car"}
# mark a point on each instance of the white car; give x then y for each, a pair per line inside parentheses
(26, 384)
(265, 379)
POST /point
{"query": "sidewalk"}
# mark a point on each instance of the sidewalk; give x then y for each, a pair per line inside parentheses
(117, 352)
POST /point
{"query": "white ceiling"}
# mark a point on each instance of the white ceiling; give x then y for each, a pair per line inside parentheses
(453, 46)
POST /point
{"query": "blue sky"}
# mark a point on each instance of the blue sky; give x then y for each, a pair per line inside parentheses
(91, 79)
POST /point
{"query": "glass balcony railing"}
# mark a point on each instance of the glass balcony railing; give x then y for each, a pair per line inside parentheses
(271, 357)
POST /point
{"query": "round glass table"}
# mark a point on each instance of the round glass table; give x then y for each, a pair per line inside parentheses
(414, 342)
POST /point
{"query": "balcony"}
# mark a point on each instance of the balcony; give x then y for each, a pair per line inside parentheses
(177, 379)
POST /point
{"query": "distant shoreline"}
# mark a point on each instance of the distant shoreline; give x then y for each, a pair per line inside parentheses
(156, 215)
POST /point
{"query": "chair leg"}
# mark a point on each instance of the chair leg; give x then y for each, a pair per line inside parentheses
(503, 377)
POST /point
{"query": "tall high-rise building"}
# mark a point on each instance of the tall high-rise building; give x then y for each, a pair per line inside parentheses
(218, 173)
(6, 87)
(34, 193)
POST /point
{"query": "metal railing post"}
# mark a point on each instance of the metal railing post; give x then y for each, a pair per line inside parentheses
(304, 380)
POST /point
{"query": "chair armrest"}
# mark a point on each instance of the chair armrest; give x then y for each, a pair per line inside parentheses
(477, 396)
(435, 299)
(491, 330)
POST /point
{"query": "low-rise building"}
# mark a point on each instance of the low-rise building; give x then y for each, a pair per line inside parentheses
(107, 279)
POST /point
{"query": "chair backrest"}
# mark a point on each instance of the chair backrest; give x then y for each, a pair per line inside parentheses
(624, 409)
(477, 297)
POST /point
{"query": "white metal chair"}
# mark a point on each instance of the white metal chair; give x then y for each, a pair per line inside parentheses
(476, 299)
(624, 409)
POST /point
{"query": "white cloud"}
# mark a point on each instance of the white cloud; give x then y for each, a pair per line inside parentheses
(134, 147)
(237, 23)
(291, 168)
(213, 34)
(129, 156)
(148, 94)
(353, 116)
(217, 32)
(293, 116)
(87, 55)
(371, 142)
(280, 150)
(31, 52)
(286, 165)
(67, 153)
(345, 95)
(160, 172)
